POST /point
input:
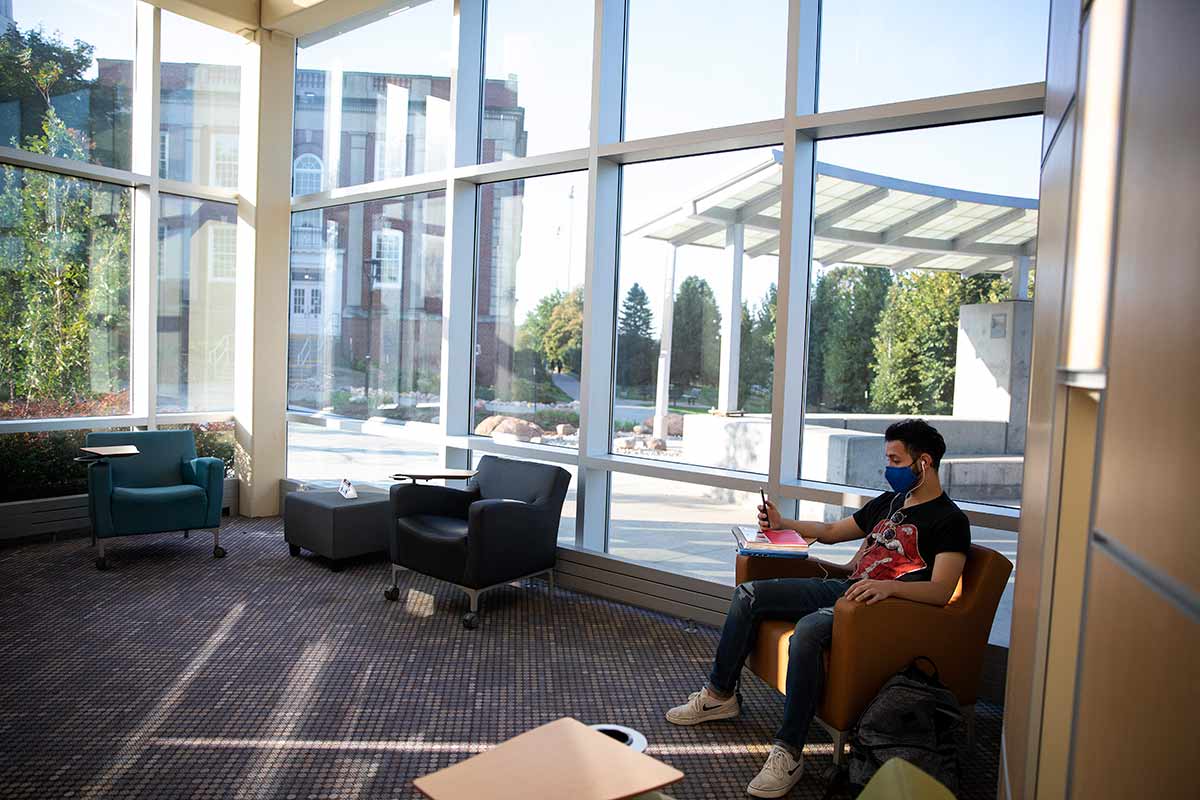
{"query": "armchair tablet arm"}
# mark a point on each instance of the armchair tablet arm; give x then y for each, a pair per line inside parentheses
(507, 539)
(871, 643)
(209, 474)
(409, 499)
(759, 568)
(100, 488)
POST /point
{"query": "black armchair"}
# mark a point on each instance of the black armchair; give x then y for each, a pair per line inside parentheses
(502, 527)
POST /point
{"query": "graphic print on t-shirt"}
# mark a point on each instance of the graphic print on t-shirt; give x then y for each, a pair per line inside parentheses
(891, 551)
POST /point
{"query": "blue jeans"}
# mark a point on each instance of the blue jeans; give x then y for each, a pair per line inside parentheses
(809, 600)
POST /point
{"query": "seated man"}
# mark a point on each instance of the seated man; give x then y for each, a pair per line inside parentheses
(915, 547)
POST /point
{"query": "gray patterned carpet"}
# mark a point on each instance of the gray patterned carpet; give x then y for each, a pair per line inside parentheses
(175, 675)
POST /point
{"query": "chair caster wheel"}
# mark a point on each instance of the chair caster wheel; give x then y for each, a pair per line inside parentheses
(218, 552)
(102, 563)
(470, 621)
(294, 550)
(336, 566)
(392, 593)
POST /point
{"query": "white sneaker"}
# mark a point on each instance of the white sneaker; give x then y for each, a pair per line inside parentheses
(778, 775)
(702, 706)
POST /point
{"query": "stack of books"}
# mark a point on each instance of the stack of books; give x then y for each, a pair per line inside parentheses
(754, 541)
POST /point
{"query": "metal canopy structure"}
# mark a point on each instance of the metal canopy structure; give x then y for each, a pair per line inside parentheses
(858, 218)
(862, 218)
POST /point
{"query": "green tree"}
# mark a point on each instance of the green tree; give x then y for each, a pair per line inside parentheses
(695, 335)
(533, 329)
(636, 346)
(562, 344)
(757, 358)
(39, 71)
(64, 319)
(847, 304)
(916, 341)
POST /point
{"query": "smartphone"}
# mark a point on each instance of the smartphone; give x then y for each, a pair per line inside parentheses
(763, 495)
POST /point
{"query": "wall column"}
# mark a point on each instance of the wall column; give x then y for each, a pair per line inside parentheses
(662, 395)
(731, 320)
(264, 213)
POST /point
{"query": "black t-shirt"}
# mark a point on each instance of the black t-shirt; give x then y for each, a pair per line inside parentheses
(902, 543)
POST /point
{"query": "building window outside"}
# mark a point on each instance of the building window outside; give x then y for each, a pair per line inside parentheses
(298, 301)
(314, 296)
(308, 172)
(196, 299)
(200, 101)
(222, 251)
(164, 152)
(387, 254)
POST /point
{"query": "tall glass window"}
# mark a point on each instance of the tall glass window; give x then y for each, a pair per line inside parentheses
(66, 83)
(64, 296)
(366, 309)
(200, 77)
(884, 51)
(703, 65)
(537, 74)
(529, 308)
(924, 251)
(696, 309)
(369, 109)
(197, 273)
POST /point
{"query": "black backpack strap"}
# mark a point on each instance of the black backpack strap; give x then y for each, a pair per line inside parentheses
(916, 670)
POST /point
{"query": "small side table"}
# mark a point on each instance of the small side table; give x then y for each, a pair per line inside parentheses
(332, 526)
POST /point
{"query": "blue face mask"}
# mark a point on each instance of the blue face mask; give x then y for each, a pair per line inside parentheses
(901, 479)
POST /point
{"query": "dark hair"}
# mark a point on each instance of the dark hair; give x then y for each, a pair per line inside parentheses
(918, 437)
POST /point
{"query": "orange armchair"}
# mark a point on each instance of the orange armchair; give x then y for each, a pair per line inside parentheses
(872, 643)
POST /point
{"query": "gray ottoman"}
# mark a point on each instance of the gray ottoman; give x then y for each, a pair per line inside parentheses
(332, 526)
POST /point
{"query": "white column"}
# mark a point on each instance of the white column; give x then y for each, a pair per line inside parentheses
(795, 252)
(458, 267)
(599, 306)
(662, 396)
(144, 301)
(1020, 283)
(264, 210)
(731, 320)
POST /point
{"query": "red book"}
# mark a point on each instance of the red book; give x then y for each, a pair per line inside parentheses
(784, 537)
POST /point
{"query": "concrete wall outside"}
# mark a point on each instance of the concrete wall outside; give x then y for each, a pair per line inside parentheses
(991, 376)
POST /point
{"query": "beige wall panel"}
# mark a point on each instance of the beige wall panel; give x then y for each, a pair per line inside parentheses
(1066, 599)
(300, 17)
(1062, 59)
(1138, 694)
(1040, 491)
(1147, 491)
(234, 16)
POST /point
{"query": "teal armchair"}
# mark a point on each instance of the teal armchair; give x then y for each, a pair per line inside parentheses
(163, 488)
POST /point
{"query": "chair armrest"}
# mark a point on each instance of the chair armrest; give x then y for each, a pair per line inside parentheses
(759, 568)
(409, 499)
(871, 643)
(507, 539)
(100, 488)
(209, 474)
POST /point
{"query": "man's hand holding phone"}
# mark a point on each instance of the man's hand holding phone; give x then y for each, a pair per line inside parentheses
(769, 518)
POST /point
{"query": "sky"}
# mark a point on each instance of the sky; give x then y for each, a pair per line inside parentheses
(691, 65)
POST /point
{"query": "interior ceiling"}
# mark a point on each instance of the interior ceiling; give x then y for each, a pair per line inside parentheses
(295, 17)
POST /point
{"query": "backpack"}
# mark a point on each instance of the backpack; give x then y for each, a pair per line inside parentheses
(914, 717)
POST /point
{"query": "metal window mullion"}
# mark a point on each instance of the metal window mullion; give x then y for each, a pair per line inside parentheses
(458, 268)
(599, 306)
(795, 241)
(146, 206)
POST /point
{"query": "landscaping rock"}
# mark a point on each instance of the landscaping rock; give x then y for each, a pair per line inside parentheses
(519, 429)
(674, 424)
(565, 429)
(656, 444)
(488, 425)
(639, 430)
